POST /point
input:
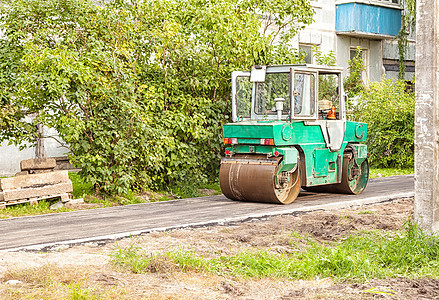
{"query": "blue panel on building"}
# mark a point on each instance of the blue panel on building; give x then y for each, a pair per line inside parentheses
(368, 19)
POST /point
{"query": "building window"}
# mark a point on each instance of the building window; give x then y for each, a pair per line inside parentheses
(395, 2)
(352, 53)
(307, 50)
(365, 57)
(392, 68)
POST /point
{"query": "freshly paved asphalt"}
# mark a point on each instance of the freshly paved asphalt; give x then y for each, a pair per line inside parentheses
(102, 225)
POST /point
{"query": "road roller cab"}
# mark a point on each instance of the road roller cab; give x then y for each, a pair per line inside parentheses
(290, 131)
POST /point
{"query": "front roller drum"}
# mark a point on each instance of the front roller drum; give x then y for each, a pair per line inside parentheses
(254, 178)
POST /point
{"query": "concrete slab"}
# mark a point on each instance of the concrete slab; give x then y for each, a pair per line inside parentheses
(38, 164)
(34, 180)
(55, 189)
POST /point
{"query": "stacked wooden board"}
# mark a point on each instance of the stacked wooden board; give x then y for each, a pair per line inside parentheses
(34, 187)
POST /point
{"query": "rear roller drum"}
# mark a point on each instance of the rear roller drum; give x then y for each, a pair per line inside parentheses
(254, 178)
(354, 177)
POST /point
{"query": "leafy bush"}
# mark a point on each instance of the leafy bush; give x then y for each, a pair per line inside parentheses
(388, 108)
(137, 90)
(353, 83)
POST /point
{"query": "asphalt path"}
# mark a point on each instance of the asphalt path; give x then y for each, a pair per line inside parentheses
(46, 232)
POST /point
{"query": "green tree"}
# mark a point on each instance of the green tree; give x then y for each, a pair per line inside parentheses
(137, 90)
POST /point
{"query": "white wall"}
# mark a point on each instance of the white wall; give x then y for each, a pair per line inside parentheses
(321, 33)
(10, 156)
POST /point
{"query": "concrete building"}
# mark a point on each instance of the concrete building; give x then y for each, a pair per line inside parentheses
(340, 26)
(372, 25)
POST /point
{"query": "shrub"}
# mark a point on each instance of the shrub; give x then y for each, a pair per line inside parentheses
(353, 83)
(389, 111)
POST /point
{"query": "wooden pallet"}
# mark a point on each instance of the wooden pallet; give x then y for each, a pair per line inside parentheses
(34, 201)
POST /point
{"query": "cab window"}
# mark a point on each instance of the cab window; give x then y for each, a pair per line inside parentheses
(304, 95)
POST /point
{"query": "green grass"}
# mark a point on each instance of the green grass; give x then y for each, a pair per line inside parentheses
(360, 257)
(76, 292)
(377, 172)
(131, 257)
(81, 187)
(184, 190)
(25, 209)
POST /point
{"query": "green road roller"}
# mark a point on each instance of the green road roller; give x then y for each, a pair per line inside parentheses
(290, 131)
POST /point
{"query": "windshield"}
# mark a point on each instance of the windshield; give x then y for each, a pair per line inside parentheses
(243, 97)
(276, 85)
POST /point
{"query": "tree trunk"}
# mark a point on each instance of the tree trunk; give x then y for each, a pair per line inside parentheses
(40, 152)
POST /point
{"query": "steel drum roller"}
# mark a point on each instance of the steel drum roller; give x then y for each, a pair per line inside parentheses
(253, 178)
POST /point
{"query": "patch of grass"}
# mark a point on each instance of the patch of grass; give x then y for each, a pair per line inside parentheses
(366, 212)
(53, 282)
(381, 291)
(129, 198)
(296, 234)
(359, 257)
(102, 200)
(376, 172)
(133, 257)
(211, 186)
(45, 275)
(81, 187)
(25, 209)
(184, 190)
(108, 201)
(79, 293)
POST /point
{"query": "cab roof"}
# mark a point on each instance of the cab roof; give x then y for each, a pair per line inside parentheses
(310, 67)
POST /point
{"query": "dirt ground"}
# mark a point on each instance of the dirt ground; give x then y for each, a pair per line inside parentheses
(87, 269)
